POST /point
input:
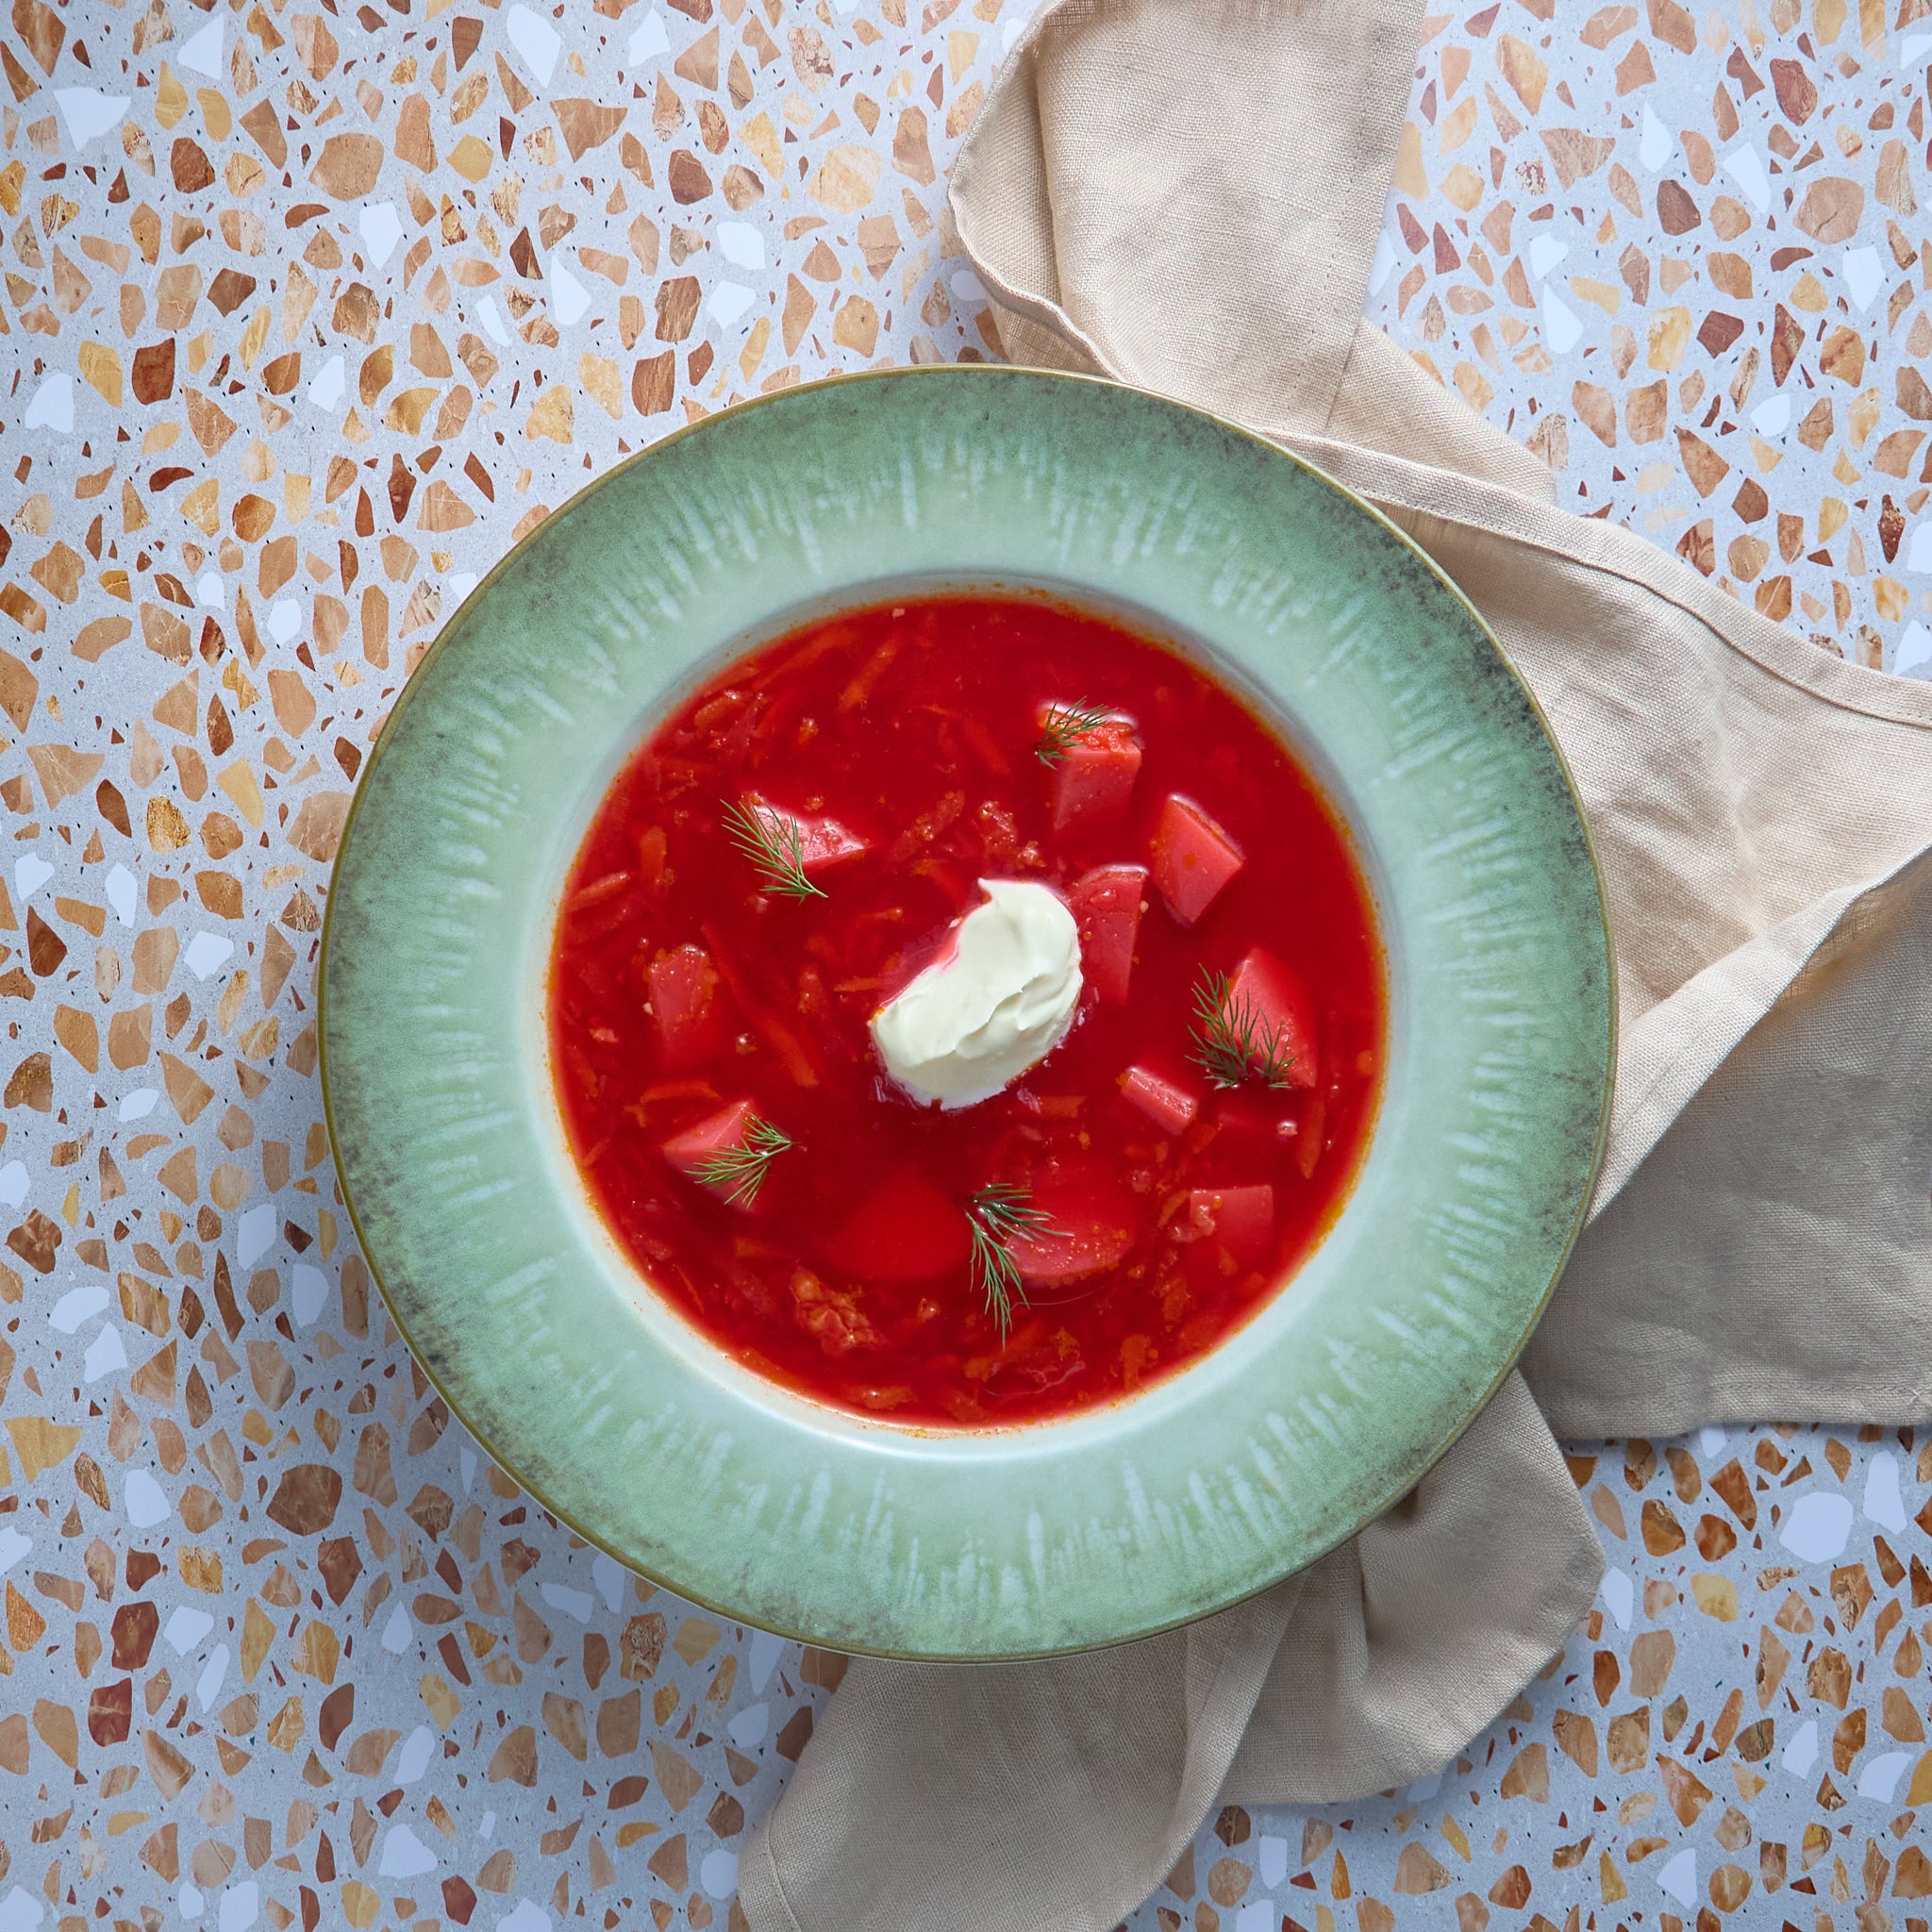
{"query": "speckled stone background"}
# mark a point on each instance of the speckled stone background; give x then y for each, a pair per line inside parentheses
(309, 311)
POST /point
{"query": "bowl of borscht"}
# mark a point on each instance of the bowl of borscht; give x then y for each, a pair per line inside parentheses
(966, 1013)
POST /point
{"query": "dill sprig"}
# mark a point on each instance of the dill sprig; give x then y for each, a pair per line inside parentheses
(1232, 1041)
(1064, 726)
(996, 1215)
(741, 1170)
(773, 844)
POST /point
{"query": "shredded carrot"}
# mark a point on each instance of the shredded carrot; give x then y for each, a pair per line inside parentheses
(870, 673)
(747, 1248)
(787, 1044)
(581, 1065)
(599, 890)
(780, 712)
(948, 878)
(664, 1094)
(1310, 1150)
(926, 827)
(666, 1090)
(792, 1052)
(673, 770)
(980, 739)
(719, 708)
(652, 848)
(833, 637)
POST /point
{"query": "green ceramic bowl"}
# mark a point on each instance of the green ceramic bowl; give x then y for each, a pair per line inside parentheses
(858, 1534)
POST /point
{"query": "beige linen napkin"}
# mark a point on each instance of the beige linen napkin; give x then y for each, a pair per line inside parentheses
(1184, 195)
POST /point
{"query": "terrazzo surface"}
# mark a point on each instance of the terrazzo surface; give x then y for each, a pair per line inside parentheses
(308, 313)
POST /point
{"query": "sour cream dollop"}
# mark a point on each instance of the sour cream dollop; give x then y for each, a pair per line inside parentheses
(998, 1003)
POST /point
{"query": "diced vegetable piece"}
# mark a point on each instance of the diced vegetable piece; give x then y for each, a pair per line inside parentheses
(822, 841)
(1090, 1226)
(1093, 778)
(1242, 1220)
(1169, 1106)
(1069, 1253)
(1105, 905)
(726, 1132)
(1194, 859)
(1267, 1003)
(904, 1230)
(687, 1003)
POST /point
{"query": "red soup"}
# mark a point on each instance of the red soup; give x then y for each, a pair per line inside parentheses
(797, 844)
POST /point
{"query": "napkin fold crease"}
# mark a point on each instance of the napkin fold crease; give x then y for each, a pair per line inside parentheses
(1186, 195)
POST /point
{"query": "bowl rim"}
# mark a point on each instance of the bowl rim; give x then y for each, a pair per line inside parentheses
(415, 683)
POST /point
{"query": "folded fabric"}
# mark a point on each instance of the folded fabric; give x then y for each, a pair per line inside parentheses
(1760, 811)
(1056, 1795)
